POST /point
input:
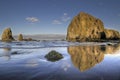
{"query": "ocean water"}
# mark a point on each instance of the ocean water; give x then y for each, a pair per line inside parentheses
(82, 61)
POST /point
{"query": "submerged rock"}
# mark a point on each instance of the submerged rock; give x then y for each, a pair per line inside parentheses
(85, 27)
(20, 37)
(7, 35)
(53, 56)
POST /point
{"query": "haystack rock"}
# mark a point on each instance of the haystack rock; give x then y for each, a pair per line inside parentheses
(85, 27)
(7, 35)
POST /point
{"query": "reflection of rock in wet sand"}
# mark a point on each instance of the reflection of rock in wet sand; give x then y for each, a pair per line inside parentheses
(85, 57)
(110, 49)
(6, 53)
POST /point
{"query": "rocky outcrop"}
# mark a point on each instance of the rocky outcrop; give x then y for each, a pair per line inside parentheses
(7, 35)
(53, 56)
(29, 39)
(20, 37)
(111, 34)
(86, 57)
(85, 27)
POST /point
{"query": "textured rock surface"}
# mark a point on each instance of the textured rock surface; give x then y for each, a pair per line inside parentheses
(86, 57)
(85, 27)
(112, 34)
(53, 56)
(20, 37)
(7, 35)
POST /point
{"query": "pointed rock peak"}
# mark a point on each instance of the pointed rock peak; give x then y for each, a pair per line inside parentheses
(7, 29)
(83, 13)
(7, 35)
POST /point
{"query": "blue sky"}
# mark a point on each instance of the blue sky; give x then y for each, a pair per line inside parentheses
(54, 16)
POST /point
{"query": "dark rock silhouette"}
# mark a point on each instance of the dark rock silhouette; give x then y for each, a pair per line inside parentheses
(53, 56)
(85, 27)
(20, 37)
(7, 35)
(86, 57)
(29, 39)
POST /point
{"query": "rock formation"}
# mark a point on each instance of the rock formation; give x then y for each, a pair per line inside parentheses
(85, 27)
(20, 37)
(7, 35)
(29, 39)
(53, 56)
(111, 34)
(86, 57)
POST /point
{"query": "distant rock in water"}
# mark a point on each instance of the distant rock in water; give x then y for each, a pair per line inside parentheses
(20, 37)
(53, 56)
(29, 39)
(7, 35)
(85, 27)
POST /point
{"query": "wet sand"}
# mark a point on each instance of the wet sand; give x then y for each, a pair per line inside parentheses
(80, 62)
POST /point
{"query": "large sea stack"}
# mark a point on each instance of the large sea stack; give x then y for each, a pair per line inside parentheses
(85, 27)
(7, 35)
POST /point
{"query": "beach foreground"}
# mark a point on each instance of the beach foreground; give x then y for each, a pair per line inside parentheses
(81, 61)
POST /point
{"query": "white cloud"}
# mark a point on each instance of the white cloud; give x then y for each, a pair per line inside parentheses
(62, 19)
(65, 17)
(65, 14)
(32, 19)
(57, 22)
